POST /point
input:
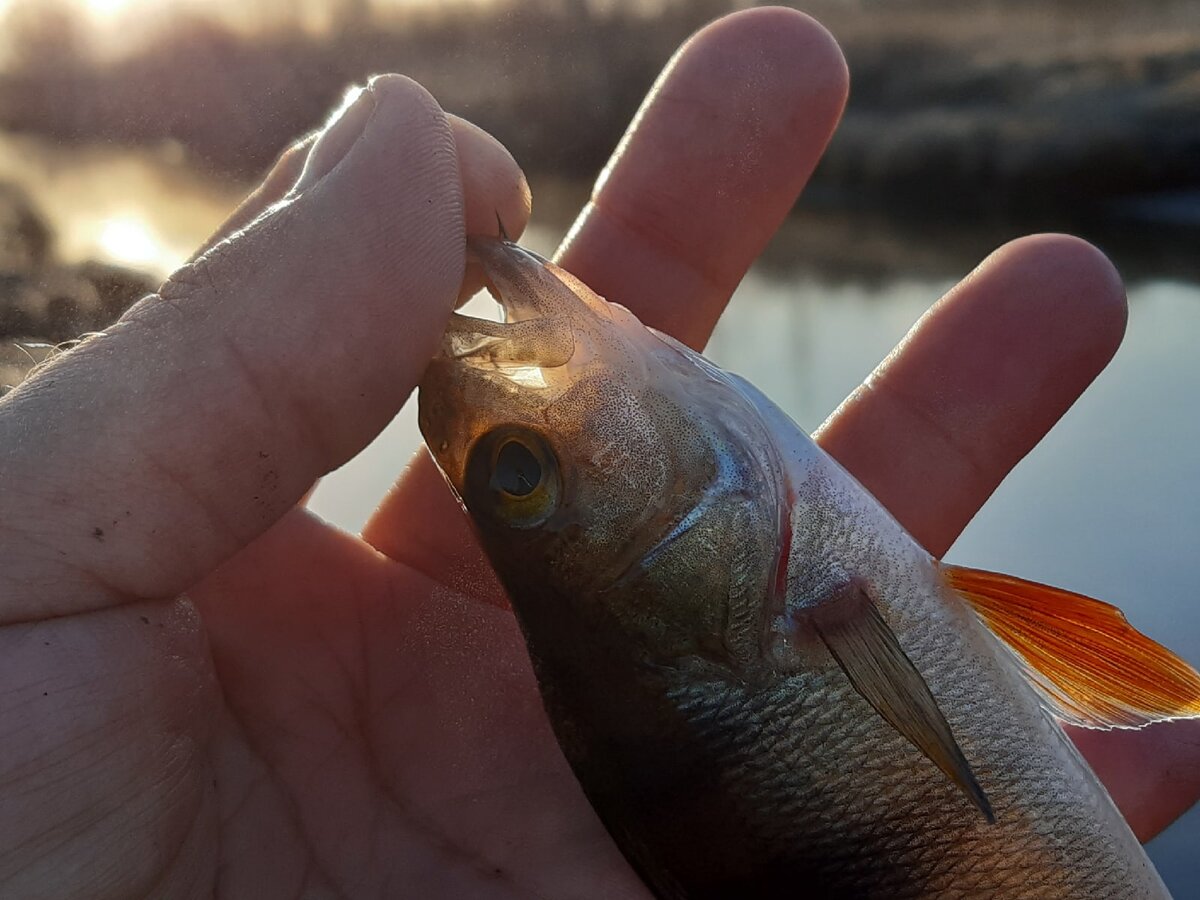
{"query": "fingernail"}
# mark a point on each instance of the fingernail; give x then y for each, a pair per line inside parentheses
(341, 131)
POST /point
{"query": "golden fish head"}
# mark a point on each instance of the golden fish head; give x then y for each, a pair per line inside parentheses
(586, 449)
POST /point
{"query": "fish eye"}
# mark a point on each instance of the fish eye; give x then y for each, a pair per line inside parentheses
(512, 477)
(517, 471)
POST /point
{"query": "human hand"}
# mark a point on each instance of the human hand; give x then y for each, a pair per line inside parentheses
(329, 715)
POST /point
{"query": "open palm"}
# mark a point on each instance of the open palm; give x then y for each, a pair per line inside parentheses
(206, 691)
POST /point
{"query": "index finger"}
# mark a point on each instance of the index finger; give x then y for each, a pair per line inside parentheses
(137, 462)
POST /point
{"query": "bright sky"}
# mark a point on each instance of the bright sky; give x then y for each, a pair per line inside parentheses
(117, 26)
(103, 10)
(107, 13)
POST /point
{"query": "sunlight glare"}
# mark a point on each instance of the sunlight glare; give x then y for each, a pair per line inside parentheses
(105, 9)
(129, 241)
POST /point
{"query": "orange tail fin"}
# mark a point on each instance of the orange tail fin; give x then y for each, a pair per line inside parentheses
(1091, 665)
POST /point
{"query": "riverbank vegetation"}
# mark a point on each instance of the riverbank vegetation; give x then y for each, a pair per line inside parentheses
(995, 105)
(1006, 115)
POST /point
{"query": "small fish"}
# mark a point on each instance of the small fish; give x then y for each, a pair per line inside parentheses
(765, 686)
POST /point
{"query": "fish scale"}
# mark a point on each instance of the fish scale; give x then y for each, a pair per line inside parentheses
(778, 771)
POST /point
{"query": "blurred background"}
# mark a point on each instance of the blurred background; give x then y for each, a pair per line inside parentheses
(130, 128)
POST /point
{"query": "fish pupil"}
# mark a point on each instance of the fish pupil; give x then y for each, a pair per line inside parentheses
(517, 471)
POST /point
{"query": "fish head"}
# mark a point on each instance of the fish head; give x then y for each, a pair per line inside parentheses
(578, 441)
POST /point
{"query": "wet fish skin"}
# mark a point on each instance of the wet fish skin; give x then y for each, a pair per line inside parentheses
(724, 748)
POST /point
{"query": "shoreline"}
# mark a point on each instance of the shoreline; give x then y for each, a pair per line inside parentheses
(1005, 108)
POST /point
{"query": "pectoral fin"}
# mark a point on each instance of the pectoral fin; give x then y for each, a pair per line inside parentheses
(1091, 666)
(864, 645)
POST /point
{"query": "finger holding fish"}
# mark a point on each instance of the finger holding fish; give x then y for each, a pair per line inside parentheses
(492, 187)
(1152, 773)
(978, 381)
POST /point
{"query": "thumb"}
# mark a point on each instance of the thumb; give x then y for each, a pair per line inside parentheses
(135, 463)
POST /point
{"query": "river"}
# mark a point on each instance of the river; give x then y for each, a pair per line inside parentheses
(1108, 504)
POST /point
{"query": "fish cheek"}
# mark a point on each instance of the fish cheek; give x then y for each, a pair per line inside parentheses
(666, 538)
(621, 447)
(704, 592)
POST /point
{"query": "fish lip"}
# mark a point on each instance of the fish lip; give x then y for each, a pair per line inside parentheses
(506, 265)
(545, 343)
(487, 250)
(525, 284)
(540, 311)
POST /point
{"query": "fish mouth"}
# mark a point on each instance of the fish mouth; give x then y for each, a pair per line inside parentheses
(514, 275)
(537, 328)
(541, 343)
(487, 372)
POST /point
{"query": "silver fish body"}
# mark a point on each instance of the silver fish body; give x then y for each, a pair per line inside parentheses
(664, 584)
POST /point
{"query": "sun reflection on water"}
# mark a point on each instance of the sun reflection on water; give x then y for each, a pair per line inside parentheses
(129, 240)
(144, 209)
